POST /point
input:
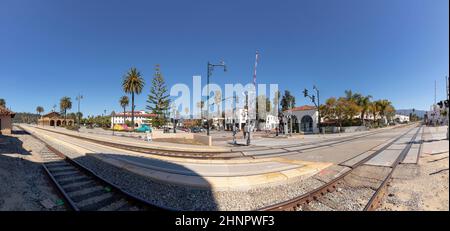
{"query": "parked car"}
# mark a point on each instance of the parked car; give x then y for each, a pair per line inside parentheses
(197, 129)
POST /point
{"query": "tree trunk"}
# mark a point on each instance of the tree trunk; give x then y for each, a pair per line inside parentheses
(132, 110)
(124, 117)
(362, 118)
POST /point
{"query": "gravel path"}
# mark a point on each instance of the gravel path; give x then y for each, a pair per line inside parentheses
(23, 183)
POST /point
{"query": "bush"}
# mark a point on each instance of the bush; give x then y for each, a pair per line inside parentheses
(73, 127)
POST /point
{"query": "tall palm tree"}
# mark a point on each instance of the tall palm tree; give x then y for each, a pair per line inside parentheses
(2, 103)
(353, 97)
(385, 106)
(39, 110)
(124, 102)
(133, 83)
(64, 104)
(364, 103)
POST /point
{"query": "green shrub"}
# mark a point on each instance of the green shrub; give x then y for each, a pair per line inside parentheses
(72, 127)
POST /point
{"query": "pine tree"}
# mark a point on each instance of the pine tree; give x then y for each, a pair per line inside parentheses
(158, 98)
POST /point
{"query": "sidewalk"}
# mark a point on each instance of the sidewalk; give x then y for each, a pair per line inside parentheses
(163, 146)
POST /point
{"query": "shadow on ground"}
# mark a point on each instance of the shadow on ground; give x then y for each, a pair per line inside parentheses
(23, 183)
(160, 193)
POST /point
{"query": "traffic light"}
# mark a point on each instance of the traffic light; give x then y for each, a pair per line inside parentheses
(440, 103)
(313, 98)
(305, 92)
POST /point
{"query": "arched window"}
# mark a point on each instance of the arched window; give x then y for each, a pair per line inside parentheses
(306, 124)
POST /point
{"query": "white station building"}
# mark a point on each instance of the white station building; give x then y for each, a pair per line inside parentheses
(140, 117)
(304, 119)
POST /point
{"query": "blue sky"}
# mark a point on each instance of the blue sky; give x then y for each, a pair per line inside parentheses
(392, 49)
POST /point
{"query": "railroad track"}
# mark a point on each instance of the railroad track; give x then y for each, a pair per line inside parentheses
(183, 154)
(214, 155)
(84, 190)
(314, 196)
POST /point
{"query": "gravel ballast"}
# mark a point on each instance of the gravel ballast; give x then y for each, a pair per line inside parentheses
(24, 185)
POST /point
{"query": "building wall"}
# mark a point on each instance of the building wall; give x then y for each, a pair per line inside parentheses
(5, 125)
(300, 114)
(46, 121)
(137, 120)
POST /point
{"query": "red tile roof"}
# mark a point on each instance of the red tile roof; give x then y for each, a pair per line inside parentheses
(136, 114)
(52, 114)
(4, 111)
(304, 108)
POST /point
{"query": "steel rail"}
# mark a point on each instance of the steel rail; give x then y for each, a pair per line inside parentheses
(330, 186)
(376, 198)
(131, 198)
(211, 155)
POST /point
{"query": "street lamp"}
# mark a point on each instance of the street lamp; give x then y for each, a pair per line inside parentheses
(210, 68)
(317, 104)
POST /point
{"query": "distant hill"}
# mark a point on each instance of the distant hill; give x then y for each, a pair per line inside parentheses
(25, 117)
(420, 113)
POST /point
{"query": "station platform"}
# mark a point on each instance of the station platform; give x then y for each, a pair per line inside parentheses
(133, 141)
(214, 174)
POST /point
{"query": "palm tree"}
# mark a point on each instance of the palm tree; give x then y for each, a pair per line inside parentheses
(39, 110)
(133, 83)
(124, 102)
(218, 100)
(385, 107)
(2, 103)
(374, 110)
(64, 104)
(364, 103)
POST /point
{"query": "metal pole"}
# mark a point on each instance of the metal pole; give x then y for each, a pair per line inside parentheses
(447, 80)
(234, 122)
(318, 110)
(207, 100)
(248, 120)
